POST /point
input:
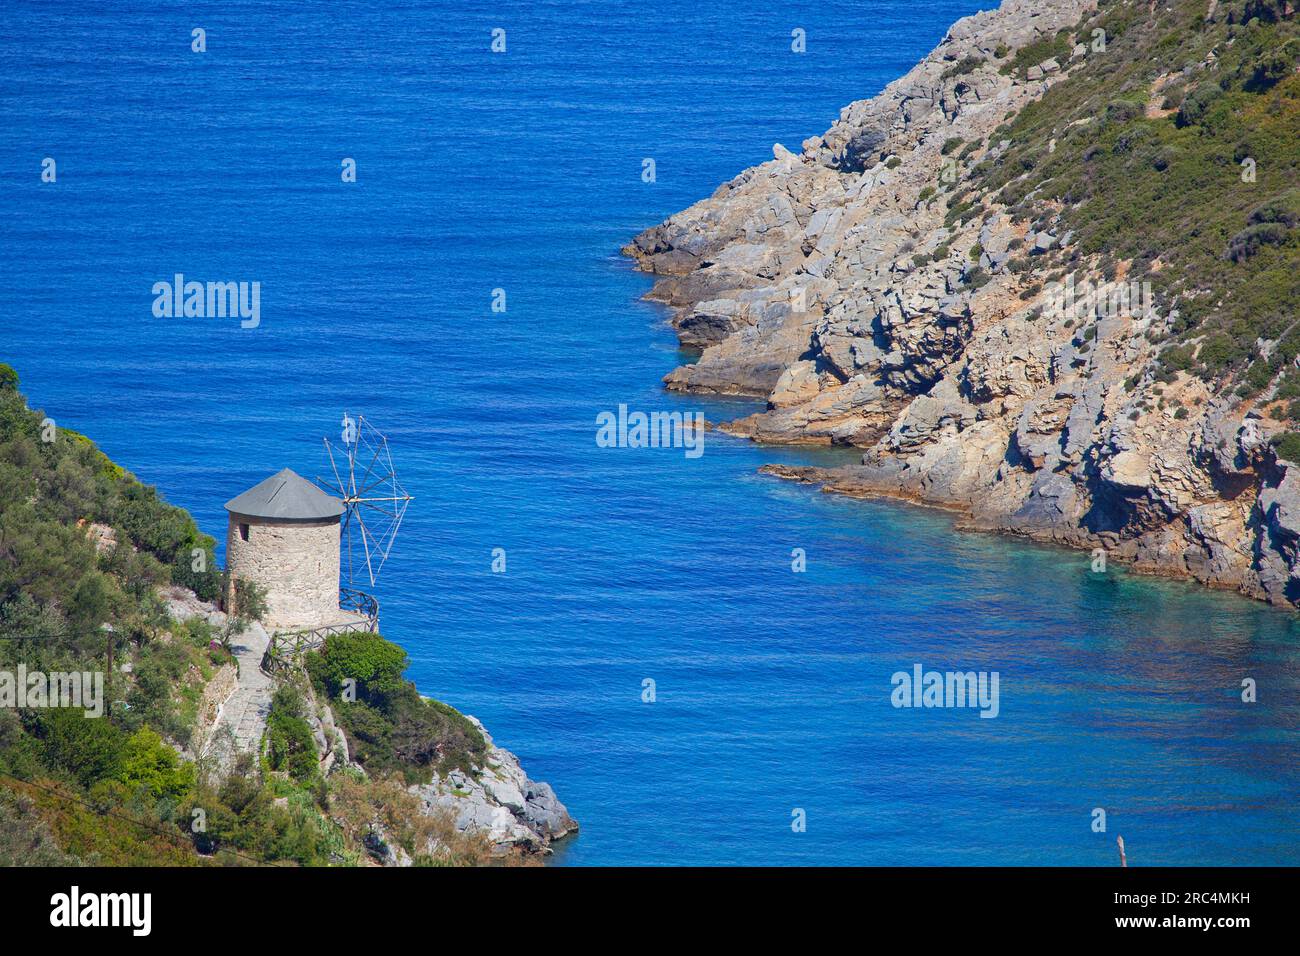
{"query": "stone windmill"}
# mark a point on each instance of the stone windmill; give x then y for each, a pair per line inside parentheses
(293, 539)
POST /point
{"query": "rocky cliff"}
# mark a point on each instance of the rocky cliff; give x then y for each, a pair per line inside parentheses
(499, 801)
(928, 280)
(493, 800)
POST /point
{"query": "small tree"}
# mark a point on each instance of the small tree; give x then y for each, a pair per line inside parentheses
(246, 602)
(149, 763)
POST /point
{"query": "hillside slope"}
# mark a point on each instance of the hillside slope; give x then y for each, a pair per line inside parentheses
(102, 579)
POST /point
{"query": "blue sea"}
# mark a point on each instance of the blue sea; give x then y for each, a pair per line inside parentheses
(521, 171)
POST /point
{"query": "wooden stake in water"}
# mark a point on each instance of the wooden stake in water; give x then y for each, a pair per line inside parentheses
(1123, 861)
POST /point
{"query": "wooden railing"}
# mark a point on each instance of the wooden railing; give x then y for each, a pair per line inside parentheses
(353, 600)
(288, 647)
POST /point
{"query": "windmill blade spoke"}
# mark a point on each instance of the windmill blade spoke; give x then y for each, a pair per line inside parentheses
(396, 525)
(352, 459)
(373, 446)
(373, 504)
(382, 531)
(337, 487)
(362, 492)
(388, 516)
(384, 535)
(347, 537)
(366, 482)
(366, 541)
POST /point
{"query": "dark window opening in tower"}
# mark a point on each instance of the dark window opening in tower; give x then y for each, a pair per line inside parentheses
(243, 531)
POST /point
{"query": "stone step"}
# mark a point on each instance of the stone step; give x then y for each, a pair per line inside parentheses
(245, 712)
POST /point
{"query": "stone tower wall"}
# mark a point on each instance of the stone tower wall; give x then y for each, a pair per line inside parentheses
(297, 562)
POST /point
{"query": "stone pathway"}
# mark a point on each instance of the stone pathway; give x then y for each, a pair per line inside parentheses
(242, 719)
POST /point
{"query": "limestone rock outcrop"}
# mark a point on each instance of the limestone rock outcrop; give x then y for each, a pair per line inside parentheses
(843, 285)
(501, 802)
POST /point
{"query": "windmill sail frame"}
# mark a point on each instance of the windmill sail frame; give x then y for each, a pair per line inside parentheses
(375, 502)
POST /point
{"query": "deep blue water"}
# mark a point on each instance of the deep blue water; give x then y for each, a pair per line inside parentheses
(522, 171)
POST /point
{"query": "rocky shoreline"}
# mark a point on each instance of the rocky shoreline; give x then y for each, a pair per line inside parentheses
(501, 802)
(872, 309)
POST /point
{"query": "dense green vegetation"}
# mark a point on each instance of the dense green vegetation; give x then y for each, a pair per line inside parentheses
(1173, 150)
(290, 746)
(390, 727)
(112, 790)
(84, 548)
(66, 603)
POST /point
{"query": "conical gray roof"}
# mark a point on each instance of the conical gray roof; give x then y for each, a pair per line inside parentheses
(288, 496)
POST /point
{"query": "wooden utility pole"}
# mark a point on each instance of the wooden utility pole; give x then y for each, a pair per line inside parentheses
(108, 678)
(230, 594)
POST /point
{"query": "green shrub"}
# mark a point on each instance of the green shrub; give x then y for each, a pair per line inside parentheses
(1289, 387)
(1122, 111)
(1259, 376)
(1250, 240)
(373, 664)
(963, 66)
(1219, 351)
(390, 727)
(958, 212)
(249, 600)
(88, 749)
(149, 764)
(290, 744)
(1197, 103)
(1287, 446)
(1283, 209)
(1273, 66)
(1048, 48)
(1177, 357)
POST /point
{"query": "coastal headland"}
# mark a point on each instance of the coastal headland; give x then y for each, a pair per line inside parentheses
(1046, 279)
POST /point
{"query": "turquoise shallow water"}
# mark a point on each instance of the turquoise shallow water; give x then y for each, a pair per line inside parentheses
(523, 172)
